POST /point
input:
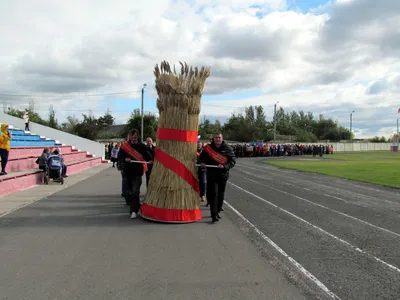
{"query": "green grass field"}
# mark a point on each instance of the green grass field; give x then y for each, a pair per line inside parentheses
(381, 167)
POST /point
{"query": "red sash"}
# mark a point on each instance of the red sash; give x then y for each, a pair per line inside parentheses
(134, 154)
(218, 157)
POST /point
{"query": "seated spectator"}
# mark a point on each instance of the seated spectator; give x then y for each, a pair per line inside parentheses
(64, 167)
(42, 160)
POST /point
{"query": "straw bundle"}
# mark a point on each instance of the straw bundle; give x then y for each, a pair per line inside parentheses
(170, 196)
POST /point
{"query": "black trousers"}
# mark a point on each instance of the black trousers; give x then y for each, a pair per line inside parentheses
(148, 174)
(133, 184)
(4, 159)
(64, 170)
(216, 193)
(202, 181)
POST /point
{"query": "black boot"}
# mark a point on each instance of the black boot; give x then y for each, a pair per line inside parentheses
(214, 217)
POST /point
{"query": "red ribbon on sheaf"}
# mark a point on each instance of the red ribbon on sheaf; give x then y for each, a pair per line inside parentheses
(189, 136)
(177, 167)
(172, 163)
(170, 215)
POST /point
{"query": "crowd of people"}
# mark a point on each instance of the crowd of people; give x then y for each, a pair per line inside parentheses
(266, 150)
(212, 180)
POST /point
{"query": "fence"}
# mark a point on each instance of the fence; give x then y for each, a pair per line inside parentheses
(341, 147)
(360, 146)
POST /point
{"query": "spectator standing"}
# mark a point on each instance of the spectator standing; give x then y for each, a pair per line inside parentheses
(5, 138)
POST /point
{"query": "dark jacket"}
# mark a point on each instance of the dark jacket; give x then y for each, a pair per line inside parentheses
(226, 151)
(134, 169)
(42, 160)
(151, 152)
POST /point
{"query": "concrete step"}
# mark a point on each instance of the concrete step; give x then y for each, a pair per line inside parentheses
(16, 181)
(24, 152)
(27, 143)
(21, 164)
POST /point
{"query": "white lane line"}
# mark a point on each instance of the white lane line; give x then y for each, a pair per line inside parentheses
(324, 186)
(310, 190)
(317, 228)
(281, 251)
(325, 207)
(345, 201)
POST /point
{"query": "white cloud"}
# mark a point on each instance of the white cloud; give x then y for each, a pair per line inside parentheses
(336, 58)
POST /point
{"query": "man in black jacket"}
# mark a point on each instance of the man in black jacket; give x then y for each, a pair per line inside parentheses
(221, 155)
(150, 148)
(133, 150)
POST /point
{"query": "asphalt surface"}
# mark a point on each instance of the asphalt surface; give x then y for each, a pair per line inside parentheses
(346, 234)
(79, 243)
(284, 235)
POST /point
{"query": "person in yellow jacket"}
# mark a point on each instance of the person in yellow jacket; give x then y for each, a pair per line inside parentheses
(5, 138)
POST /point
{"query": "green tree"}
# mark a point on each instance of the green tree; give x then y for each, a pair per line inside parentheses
(150, 124)
(106, 120)
(305, 136)
(88, 128)
(52, 122)
(33, 116)
(252, 125)
(377, 139)
(235, 128)
(70, 125)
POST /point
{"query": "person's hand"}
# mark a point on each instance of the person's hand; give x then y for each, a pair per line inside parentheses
(220, 166)
(202, 166)
(128, 160)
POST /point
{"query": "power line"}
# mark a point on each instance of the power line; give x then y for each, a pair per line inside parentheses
(122, 111)
(70, 95)
(91, 110)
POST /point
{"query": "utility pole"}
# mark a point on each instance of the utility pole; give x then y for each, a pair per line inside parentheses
(142, 125)
(275, 121)
(351, 122)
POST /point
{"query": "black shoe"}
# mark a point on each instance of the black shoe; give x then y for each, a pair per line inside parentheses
(214, 219)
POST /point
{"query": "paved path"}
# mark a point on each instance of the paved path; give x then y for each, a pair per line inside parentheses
(345, 233)
(12, 202)
(79, 243)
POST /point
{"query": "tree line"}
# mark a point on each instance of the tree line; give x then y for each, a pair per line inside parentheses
(90, 126)
(251, 125)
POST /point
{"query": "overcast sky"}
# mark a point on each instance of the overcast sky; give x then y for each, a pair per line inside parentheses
(327, 57)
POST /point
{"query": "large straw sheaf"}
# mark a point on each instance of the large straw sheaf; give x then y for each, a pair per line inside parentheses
(169, 197)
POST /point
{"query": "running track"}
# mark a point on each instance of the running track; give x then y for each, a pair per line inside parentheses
(331, 237)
